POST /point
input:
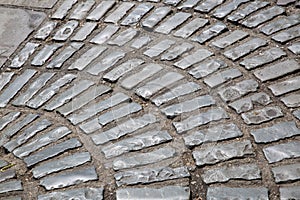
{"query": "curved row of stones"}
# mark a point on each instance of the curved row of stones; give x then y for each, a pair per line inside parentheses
(213, 91)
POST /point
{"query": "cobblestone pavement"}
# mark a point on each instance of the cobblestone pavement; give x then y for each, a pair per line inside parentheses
(157, 99)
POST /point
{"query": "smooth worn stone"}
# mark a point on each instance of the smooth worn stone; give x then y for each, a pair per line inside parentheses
(226, 9)
(147, 72)
(3, 163)
(5, 78)
(172, 2)
(263, 16)
(66, 31)
(63, 56)
(27, 134)
(13, 185)
(214, 114)
(34, 4)
(50, 137)
(172, 22)
(188, 4)
(45, 53)
(282, 151)
(246, 11)
(142, 159)
(98, 107)
(222, 152)
(48, 93)
(84, 31)
(207, 5)
(45, 30)
(82, 9)
(245, 48)
(191, 27)
(119, 13)
(81, 193)
(78, 102)
(122, 69)
(292, 100)
(154, 86)
(230, 39)
(137, 142)
(90, 126)
(285, 86)
(284, 2)
(176, 92)
(210, 33)
(238, 90)
(159, 48)
(105, 34)
(193, 58)
(107, 62)
(69, 94)
(213, 134)
(286, 173)
(150, 175)
(7, 174)
(295, 48)
(141, 42)
(15, 87)
(63, 9)
(177, 51)
(188, 106)
(135, 16)
(280, 24)
(290, 192)
(247, 103)
(222, 77)
(8, 118)
(87, 57)
(287, 34)
(125, 128)
(263, 58)
(102, 8)
(124, 37)
(296, 113)
(33, 88)
(237, 193)
(69, 178)
(207, 67)
(23, 55)
(234, 172)
(165, 192)
(262, 115)
(158, 15)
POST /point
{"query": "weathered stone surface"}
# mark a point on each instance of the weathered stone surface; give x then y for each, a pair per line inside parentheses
(5, 79)
(193, 58)
(23, 55)
(141, 42)
(175, 52)
(102, 8)
(230, 39)
(45, 53)
(191, 27)
(90, 126)
(207, 67)
(222, 152)
(14, 185)
(159, 48)
(3, 163)
(282, 151)
(207, 5)
(295, 48)
(216, 133)
(135, 143)
(7, 174)
(262, 115)
(105, 34)
(286, 173)
(200, 119)
(284, 2)
(226, 9)
(296, 113)
(69, 178)
(135, 16)
(188, 4)
(172, 22)
(159, 14)
(211, 32)
(124, 37)
(291, 192)
(45, 30)
(237, 193)
(287, 34)
(119, 13)
(8, 118)
(292, 100)
(172, 2)
(63, 9)
(82, 9)
(222, 77)
(66, 31)
(166, 192)
(81, 193)
(150, 175)
(285, 86)
(32, 3)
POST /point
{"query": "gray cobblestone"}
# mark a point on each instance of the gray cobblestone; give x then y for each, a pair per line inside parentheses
(158, 15)
(123, 37)
(65, 31)
(230, 39)
(82, 9)
(207, 5)
(282, 151)
(8, 174)
(159, 48)
(3, 163)
(207, 67)
(285, 2)
(23, 55)
(63, 9)
(237, 193)
(119, 13)
(172, 2)
(222, 77)
(295, 48)
(82, 193)
(45, 30)
(292, 100)
(45, 53)
(177, 51)
(193, 58)
(13, 185)
(210, 33)
(84, 31)
(102, 8)
(5, 79)
(172, 22)
(287, 34)
(191, 27)
(296, 113)
(140, 42)
(226, 9)
(90, 126)
(105, 34)
(138, 12)
(285, 86)
(291, 192)
(188, 4)
(286, 173)
(262, 115)
(8, 118)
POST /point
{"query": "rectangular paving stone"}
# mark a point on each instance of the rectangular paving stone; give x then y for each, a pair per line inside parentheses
(15, 86)
(150, 175)
(165, 192)
(263, 16)
(277, 70)
(285, 86)
(138, 12)
(147, 72)
(282, 151)
(82, 193)
(207, 5)
(82, 9)
(141, 42)
(8, 118)
(52, 151)
(172, 2)
(123, 129)
(90, 126)
(237, 193)
(290, 192)
(63, 9)
(23, 55)
(222, 77)
(124, 37)
(193, 58)
(177, 51)
(13, 185)
(214, 114)
(188, 4)
(188, 106)
(207, 67)
(191, 27)
(295, 48)
(210, 33)
(5, 78)
(172, 22)
(87, 57)
(262, 115)
(45, 30)
(102, 8)
(45, 53)
(213, 134)
(296, 113)
(7, 174)
(69, 178)
(286, 173)
(287, 34)
(47, 93)
(3, 163)
(226, 9)
(119, 12)
(234, 172)
(105, 34)
(245, 48)
(159, 48)
(137, 142)
(65, 31)
(230, 39)
(43, 140)
(154, 86)
(156, 16)
(222, 152)
(292, 100)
